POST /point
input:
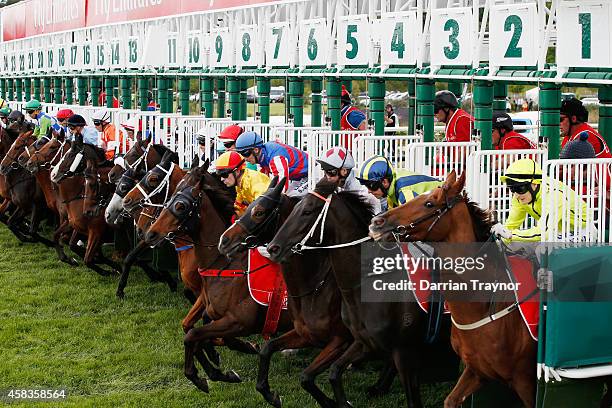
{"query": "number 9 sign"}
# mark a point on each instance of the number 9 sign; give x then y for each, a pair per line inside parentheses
(451, 36)
(313, 43)
(354, 40)
(221, 48)
(513, 35)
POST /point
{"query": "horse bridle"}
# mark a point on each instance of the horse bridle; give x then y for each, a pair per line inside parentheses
(100, 203)
(404, 230)
(253, 230)
(191, 204)
(58, 154)
(15, 160)
(164, 184)
(140, 159)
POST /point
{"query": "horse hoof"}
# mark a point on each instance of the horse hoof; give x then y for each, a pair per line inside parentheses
(232, 377)
(374, 392)
(200, 383)
(275, 400)
(120, 294)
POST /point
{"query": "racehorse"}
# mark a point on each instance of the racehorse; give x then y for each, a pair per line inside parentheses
(6, 140)
(143, 155)
(202, 208)
(313, 298)
(380, 329)
(25, 193)
(68, 174)
(500, 350)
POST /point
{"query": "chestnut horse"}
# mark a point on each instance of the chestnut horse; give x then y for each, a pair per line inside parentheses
(380, 329)
(313, 296)
(202, 208)
(501, 350)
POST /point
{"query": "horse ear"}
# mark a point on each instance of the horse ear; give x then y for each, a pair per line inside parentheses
(195, 162)
(61, 136)
(78, 139)
(139, 136)
(205, 165)
(279, 187)
(450, 180)
(273, 182)
(167, 157)
(459, 184)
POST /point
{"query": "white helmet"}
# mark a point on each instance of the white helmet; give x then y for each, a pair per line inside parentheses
(337, 158)
(102, 115)
(130, 124)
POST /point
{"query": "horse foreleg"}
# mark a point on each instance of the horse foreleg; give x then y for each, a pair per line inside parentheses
(127, 265)
(94, 240)
(73, 244)
(468, 383)
(524, 382)
(606, 401)
(385, 379)
(241, 346)
(58, 235)
(194, 314)
(3, 208)
(330, 353)
(354, 352)
(13, 225)
(36, 217)
(290, 339)
(405, 360)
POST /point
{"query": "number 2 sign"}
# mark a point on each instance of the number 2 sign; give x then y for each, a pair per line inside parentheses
(451, 36)
(514, 35)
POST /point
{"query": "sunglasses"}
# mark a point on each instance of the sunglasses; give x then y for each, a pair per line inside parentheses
(246, 153)
(224, 173)
(332, 172)
(29, 111)
(227, 145)
(372, 185)
(71, 127)
(519, 188)
(97, 122)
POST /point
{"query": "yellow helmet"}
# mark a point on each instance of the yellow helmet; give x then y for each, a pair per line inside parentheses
(523, 171)
(228, 162)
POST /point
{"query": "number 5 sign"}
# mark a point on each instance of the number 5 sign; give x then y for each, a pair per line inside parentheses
(313, 44)
(354, 40)
(451, 36)
(513, 35)
(583, 37)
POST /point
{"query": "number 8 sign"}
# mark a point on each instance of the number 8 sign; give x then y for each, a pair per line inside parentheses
(354, 40)
(513, 33)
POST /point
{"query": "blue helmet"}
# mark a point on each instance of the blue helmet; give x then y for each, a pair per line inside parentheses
(375, 169)
(248, 141)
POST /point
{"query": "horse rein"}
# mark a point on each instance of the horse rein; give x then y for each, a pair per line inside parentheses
(165, 183)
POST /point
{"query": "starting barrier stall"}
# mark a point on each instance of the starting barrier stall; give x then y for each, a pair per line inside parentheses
(438, 159)
(394, 148)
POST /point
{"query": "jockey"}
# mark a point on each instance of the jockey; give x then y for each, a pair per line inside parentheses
(504, 137)
(249, 184)
(277, 159)
(228, 137)
(4, 113)
(459, 123)
(108, 133)
(573, 121)
(77, 125)
(62, 118)
(42, 121)
(524, 179)
(352, 118)
(338, 166)
(397, 185)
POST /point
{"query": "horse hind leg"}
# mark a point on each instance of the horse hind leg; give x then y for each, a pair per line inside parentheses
(468, 383)
(385, 380)
(405, 360)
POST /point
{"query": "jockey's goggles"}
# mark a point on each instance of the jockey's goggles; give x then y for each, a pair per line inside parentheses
(520, 188)
(332, 172)
(229, 144)
(30, 111)
(246, 153)
(372, 185)
(224, 173)
(97, 122)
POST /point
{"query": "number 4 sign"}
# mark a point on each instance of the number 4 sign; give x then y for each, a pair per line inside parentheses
(398, 42)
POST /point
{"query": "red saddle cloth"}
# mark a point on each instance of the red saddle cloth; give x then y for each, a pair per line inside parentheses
(267, 287)
(522, 273)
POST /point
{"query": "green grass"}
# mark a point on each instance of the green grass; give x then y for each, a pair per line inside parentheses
(62, 327)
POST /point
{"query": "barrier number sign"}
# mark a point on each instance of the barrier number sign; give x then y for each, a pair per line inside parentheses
(221, 51)
(173, 57)
(313, 43)
(133, 52)
(398, 42)
(87, 54)
(116, 57)
(100, 55)
(515, 36)
(277, 45)
(194, 52)
(583, 39)
(451, 36)
(353, 40)
(247, 46)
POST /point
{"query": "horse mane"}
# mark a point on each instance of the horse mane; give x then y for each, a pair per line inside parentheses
(483, 219)
(161, 150)
(221, 196)
(358, 204)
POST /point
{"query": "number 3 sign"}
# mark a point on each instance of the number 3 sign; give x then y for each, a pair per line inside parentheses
(451, 36)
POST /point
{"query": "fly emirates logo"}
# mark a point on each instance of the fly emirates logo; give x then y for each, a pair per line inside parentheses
(48, 13)
(110, 7)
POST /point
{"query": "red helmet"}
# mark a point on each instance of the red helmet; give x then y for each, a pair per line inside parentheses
(231, 133)
(228, 162)
(345, 96)
(64, 114)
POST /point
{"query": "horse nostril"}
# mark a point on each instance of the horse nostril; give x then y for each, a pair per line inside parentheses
(378, 221)
(273, 249)
(150, 236)
(224, 240)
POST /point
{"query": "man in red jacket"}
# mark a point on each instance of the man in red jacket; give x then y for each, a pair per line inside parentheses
(459, 123)
(573, 122)
(504, 137)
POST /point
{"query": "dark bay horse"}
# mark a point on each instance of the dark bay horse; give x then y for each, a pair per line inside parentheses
(143, 155)
(386, 330)
(501, 350)
(313, 297)
(202, 208)
(6, 140)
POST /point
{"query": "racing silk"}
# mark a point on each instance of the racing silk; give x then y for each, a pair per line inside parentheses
(351, 118)
(42, 124)
(279, 159)
(91, 136)
(514, 141)
(353, 185)
(518, 212)
(108, 141)
(406, 185)
(459, 127)
(252, 185)
(602, 151)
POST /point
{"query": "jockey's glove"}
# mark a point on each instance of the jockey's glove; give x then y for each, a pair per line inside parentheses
(501, 231)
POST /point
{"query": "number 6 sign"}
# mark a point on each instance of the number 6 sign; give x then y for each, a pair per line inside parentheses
(313, 43)
(451, 36)
(354, 40)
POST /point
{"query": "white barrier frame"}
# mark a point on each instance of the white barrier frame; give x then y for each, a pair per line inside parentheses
(423, 155)
(394, 148)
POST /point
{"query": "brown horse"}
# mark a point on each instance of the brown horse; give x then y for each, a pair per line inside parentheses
(68, 174)
(501, 350)
(25, 193)
(313, 298)
(143, 155)
(6, 140)
(380, 328)
(202, 208)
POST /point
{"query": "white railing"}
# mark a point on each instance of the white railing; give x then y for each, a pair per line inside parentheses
(577, 195)
(394, 148)
(437, 159)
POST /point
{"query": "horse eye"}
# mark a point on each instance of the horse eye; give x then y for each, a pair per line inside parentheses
(179, 206)
(429, 204)
(307, 212)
